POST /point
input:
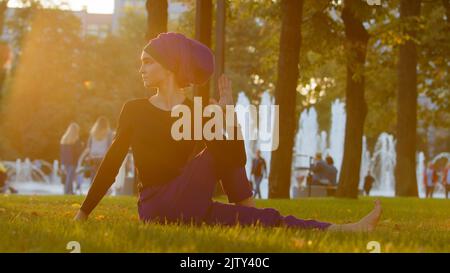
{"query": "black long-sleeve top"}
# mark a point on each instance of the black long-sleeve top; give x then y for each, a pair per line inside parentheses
(157, 155)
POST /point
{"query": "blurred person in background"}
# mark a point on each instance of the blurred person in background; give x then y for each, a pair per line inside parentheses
(70, 150)
(99, 140)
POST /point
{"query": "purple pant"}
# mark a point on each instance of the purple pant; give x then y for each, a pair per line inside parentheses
(188, 199)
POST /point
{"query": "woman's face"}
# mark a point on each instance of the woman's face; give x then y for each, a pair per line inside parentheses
(153, 74)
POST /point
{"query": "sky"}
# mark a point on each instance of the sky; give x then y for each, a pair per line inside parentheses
(93, 6)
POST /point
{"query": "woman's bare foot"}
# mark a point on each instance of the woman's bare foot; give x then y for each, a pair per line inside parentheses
(368, 223)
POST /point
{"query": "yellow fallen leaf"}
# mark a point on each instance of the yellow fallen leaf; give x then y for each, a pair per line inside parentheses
(100, 217)
(298, 243)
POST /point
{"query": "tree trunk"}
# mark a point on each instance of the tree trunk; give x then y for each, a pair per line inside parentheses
(405, 171)
(3, 8)
(446, 4)
(219, 66)
(4, 48)
(285, 97)
(156, 17)
(356, 39)
(203, 33)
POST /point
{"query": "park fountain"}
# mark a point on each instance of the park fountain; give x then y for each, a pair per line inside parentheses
(440, 161)
(323, 143)
(257, 131)
(42, 177)
(33, 177)
(337, 132)
(247, 122)
(307, 138)
(383, 165)
(266, 126)
(420, 172)
(25, 171)
(308, 141)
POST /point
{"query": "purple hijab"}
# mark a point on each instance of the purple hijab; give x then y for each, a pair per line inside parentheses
(191, 61)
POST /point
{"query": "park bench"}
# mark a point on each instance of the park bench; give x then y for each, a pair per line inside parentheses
(312, 190)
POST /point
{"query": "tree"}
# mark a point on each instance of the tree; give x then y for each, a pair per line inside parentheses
(5, 54)
(47, 52)
(446, 4)
(434, 52)
(357, 38)
(85, 77)
(249, 53)
(285, 96)
(3, 8)
(203, 32)
(156, 17)
(4, 47)
(405, 170)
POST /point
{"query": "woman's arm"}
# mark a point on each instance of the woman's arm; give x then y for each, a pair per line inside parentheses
(78, 155)
(232, 150)
(110, 165)
(82, 156)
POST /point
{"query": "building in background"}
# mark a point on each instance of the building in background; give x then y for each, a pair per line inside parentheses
(121, 7)
(100, 24)
(95, 24)
(138, 6)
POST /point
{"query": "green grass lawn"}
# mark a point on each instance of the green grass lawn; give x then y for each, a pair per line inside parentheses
(44, 224)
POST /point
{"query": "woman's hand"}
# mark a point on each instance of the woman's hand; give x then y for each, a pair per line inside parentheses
(226, 98)
(225, 92)
(81, 216)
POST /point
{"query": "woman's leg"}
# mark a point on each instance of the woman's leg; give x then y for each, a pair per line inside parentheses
(367, 223)
(189, 199)
(185, 198)
(229, 215)
(191, 194)
(68, 187)
(200, 176)
(79, 182)
(258, 186)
